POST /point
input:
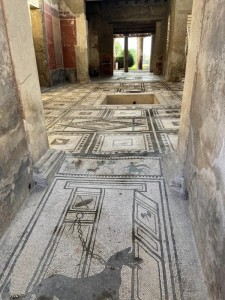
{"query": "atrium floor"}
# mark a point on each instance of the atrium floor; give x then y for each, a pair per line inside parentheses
(108, 226)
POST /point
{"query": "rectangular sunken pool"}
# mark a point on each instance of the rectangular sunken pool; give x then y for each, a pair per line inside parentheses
(131, 99)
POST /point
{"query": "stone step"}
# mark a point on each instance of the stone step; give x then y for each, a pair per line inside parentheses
(45, 169)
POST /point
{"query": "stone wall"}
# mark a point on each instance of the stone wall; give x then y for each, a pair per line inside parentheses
(204, 167)
(190, 78)
(106, 49)
(159, 50)
(23, 58)
(40, 46)
(176, 57)
(100, 46)
(15, 160)
(95, 33)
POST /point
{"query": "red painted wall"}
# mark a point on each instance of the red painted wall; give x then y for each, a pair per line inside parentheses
(68, 31)
(50, 41)
(68, 37)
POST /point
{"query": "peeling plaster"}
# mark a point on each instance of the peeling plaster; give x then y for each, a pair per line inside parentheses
(65, 9)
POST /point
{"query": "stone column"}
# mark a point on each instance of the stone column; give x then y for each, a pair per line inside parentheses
(95, 25)
(140, 53)
(78, 10)
(23, 138)
(107, 48)
(126, 53)
(179, 10)
(19, 33)
(159, 47)
(152, 53)
(82, 47)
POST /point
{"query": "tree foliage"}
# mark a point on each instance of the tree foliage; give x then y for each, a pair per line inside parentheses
(134, 54)
(120, 60)
(118, 49)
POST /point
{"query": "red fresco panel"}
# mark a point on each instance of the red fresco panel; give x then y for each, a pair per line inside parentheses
(50, 41)
(68, 31)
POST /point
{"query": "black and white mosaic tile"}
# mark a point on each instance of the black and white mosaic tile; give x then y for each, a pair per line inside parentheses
(103, 230)
(115, 143)
(68, 142)
(76, 120)
(106, 228)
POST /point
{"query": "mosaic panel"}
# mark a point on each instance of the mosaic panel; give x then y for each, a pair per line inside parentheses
(127, 113)
(123, 143)
(166, 124)
(166, 112)
(108, 167)
(74, 143)
(168, 141)
(79, 257)
(52, 105)
(87, 113)
(71, 125)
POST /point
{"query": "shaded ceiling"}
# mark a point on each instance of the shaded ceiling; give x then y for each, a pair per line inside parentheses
(129, 16)
(134, 27)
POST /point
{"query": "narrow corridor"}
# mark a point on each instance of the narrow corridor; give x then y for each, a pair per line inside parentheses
(108, 226)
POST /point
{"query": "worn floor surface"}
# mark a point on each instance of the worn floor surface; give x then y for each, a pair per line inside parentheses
(107, 227)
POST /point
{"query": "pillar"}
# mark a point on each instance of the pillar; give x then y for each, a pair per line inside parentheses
(152, 52)
(159, 47)
(77, 9)
(23, 138)
(202, 139)
(140, 53)
(95, 25)
(126, 53)
(40, 47)
(82, 46)
(106, 47)
(175, 64)
(100, 46)
(21, 42)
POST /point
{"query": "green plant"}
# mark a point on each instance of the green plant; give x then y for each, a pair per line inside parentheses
(120, 60)
(134, 54)
(118, 49)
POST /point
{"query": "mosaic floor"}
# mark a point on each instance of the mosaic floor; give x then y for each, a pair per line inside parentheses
(120, 75)
(78, 120)
(108, 227)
